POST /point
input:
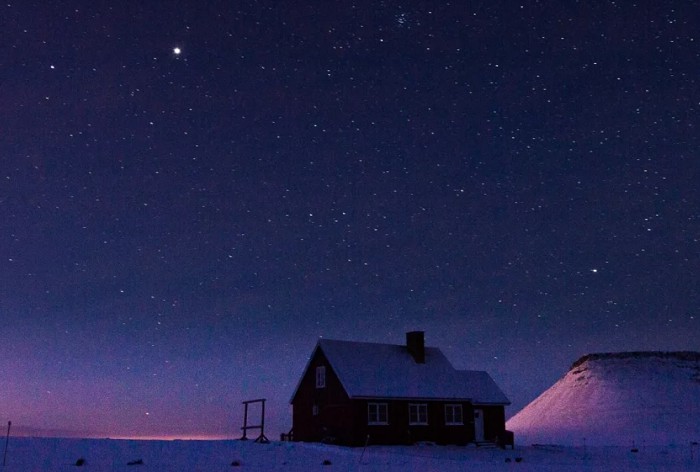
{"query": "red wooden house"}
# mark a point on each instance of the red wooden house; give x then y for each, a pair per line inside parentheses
(354, 393)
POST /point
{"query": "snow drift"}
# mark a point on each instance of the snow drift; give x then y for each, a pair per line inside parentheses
(625, 399)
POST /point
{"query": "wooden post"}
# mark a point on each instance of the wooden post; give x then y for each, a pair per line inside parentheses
(7, 440)
(262, 425)
(245, 422)
(364, 449)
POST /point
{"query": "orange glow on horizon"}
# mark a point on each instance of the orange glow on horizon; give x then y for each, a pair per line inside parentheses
(175, 437)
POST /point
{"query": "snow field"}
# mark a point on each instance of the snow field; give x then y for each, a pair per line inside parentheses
(50, 454)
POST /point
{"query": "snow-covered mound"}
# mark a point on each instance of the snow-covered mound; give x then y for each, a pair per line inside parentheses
(625, 399)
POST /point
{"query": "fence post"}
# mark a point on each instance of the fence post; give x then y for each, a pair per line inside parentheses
(7, 440)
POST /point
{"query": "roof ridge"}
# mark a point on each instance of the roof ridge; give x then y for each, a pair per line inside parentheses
(345, 341)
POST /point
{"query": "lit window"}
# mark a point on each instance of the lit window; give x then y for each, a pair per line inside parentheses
(417, 413)
(453, 415)
(320, 376)
(377, 413)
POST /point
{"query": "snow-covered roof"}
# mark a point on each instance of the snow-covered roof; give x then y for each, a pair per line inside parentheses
(371, 370)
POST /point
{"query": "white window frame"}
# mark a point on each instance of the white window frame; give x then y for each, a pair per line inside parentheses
(451, 417)
(321, 376)
(418, 413)
(374, 413)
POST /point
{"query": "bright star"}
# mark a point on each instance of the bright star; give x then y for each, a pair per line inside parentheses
(177, 51)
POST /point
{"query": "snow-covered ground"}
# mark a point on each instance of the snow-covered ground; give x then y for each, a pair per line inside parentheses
(624, 399)
(47, 454)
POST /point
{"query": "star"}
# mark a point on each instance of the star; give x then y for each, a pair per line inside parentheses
(177, 51)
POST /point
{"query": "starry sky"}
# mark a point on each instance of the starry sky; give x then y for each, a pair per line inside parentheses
(193, 192)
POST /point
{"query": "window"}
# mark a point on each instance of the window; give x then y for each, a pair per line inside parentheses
(453, 415)
(320, 376)
(417, 413)
(314, 410)
(377, 413)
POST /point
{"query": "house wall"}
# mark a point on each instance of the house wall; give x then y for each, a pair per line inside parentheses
(399, 431)
(494, 421)
(334, 421)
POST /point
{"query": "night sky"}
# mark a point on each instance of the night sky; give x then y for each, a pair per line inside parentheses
(192, 192)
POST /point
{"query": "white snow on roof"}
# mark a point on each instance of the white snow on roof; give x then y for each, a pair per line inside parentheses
(370, 370)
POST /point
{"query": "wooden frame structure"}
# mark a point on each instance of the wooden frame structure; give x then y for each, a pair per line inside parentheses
(261, 437)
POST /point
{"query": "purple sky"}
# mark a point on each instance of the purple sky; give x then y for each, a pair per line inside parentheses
(177, 230)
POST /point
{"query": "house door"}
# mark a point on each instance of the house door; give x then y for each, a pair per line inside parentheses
(478, 425)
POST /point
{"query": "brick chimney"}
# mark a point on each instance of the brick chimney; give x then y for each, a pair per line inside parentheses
(415, 342)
